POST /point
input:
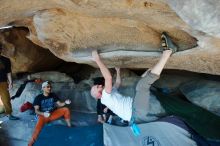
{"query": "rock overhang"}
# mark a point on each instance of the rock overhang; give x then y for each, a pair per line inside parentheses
(127, 33)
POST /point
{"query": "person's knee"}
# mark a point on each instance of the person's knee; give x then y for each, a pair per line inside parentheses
(65, 109)
(142, 85)
(66, 112)
(146, 82)
(41, 122)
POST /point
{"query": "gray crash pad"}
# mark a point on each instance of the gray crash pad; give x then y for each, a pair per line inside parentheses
(154, 133)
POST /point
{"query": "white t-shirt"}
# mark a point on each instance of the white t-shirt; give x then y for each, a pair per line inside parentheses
(117, 103)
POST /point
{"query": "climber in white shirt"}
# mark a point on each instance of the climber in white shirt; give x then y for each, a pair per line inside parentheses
(127, 107)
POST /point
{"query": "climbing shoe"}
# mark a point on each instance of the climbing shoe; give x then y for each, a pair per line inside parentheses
(167, 43)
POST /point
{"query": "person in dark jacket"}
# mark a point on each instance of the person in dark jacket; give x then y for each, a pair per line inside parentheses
(6, 84)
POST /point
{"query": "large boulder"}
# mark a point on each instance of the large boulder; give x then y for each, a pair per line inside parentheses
(204, 93)
(202, 15)
(52, 76)
(171, 82)
(127, 33)
(24, 54)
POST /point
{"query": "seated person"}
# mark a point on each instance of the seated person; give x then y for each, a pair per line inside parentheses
(45, 106)
(104, 114)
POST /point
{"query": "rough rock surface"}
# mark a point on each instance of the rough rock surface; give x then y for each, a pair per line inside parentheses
(204, 93)
(26, 56)
(172, 81)
(127, 32)
(80, 93)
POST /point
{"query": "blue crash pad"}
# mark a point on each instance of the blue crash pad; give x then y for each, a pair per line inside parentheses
(58, 135)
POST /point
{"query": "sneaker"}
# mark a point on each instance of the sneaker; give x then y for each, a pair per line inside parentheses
(167, 43)
(11, 117)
